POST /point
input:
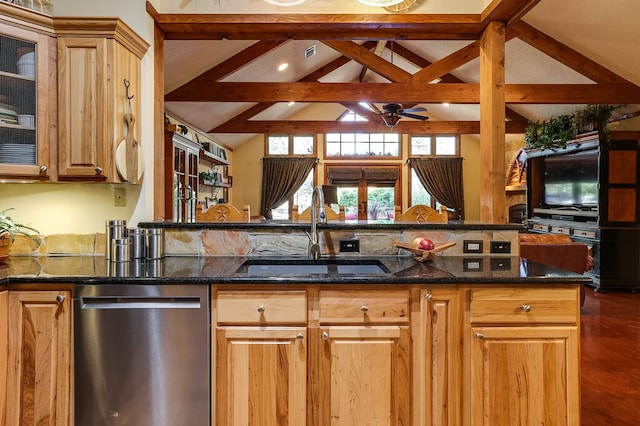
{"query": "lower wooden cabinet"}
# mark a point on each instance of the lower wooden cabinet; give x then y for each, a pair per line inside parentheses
(414, 355)
(261, 376)
(524, 356)
(363, 375)
(39, 350)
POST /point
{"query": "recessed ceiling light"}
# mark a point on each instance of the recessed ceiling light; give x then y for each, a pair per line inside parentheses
(447, 104)
(283, 66)
(380, 3)
(285, 2)
(292, 103)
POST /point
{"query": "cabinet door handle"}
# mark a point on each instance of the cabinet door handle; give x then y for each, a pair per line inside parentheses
(526, 308)
(98, 170)
(479, 336)
(60, 298)
(428, 296)
(299, 336)
(261, 309)
(364, 309)
(43, 169)
(325, 335)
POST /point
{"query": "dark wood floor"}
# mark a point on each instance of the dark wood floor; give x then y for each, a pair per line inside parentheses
(610, 351)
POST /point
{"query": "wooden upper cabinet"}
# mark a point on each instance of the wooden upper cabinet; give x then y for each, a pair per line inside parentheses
(99, 75)
(27, 95)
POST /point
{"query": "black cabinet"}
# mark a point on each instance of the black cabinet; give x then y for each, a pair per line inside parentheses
(589, 190)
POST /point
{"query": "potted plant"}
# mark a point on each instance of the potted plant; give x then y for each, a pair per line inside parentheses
(553, 133)
(593, 118)
(9, 228)
(208, 178)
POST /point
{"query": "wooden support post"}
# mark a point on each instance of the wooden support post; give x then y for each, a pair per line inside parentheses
(492, 124)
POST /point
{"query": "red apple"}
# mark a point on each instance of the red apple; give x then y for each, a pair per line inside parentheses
(426, 244)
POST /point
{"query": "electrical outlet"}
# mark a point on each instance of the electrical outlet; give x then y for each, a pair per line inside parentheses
(500, 264)
(119, 197)
(472, 246)
(472, 265)
(349, 246)
(500, 247)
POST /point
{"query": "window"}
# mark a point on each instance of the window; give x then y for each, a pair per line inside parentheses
(429, 146)
(291, 145)
(297, 145)
(361, 144)
(426, 145)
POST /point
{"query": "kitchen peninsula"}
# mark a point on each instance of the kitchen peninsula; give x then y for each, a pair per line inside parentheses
(446, 341)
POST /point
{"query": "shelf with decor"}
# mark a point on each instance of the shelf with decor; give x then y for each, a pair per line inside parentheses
(589, 190)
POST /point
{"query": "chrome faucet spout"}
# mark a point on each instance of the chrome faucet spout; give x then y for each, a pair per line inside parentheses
(317, 203)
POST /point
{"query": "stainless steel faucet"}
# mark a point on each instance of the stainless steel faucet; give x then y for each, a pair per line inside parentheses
(317, 203)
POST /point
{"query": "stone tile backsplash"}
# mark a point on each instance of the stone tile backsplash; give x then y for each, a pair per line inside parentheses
(266, 242)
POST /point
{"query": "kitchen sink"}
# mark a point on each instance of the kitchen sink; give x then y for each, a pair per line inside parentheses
(288, 266)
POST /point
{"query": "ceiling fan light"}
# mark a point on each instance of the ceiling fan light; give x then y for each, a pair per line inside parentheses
(380, 3)
(285, 2)
(391, 119)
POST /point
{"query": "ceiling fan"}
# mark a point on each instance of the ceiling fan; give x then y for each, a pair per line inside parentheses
(393, 112)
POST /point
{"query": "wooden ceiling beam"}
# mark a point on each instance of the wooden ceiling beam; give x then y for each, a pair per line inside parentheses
(407, 92)
(319, 26)
(375, 126)
(507, 11)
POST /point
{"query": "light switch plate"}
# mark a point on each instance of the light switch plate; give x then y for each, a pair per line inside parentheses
(472, 246)
(119, 197)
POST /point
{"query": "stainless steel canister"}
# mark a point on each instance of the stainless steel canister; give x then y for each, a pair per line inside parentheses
(120, 250)
(138, 242)
(115, 229)
(155, 243)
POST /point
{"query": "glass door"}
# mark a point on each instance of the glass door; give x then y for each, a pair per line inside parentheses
(18, 101)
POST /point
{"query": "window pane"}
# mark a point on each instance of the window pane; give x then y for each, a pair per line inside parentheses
(420, 145)
(376, 137)
(348, 197)
(281, 212)
(377, 148)
(332, 137)
(333, 149)
(278, 145)
(303, 145)
(362, 148)
(446, 145)
(302, 197)
(380, 203)
(348, 148)
(419, 194)
(391, 149)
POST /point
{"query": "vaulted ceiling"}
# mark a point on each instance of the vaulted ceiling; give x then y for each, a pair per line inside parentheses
(221, 77)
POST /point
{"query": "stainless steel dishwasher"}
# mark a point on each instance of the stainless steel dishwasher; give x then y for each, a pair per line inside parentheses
(142, 355)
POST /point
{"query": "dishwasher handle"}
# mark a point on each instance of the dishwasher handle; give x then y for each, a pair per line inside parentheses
(126, 302)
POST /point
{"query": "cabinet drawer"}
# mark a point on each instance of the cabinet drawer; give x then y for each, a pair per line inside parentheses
(247, 307)
(340, 307)
(561, 230)
(583, 233)
(516, 305)
(540, 227)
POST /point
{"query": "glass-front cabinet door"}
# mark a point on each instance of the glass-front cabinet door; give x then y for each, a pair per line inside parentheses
(27, 106)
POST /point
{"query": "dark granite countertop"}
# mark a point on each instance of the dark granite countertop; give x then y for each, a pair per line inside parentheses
(346, 225)
(230, 270)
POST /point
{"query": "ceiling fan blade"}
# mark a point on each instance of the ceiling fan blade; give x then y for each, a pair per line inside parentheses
(416, 116)
(415, 109)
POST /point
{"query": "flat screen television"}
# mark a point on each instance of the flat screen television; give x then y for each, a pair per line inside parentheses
(571, 180)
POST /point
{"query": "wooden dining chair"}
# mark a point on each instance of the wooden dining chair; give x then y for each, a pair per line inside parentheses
(223, 213)
(305, 215)
(421, 213)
